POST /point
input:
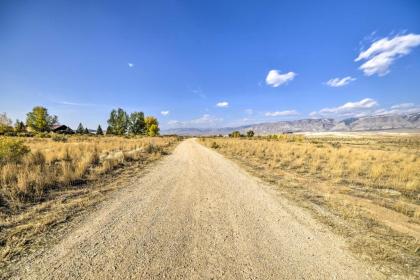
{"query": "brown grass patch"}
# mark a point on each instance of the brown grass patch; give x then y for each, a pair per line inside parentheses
(365, 188)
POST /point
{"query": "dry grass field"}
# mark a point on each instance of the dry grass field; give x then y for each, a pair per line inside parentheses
(47, 181)
(365, 187)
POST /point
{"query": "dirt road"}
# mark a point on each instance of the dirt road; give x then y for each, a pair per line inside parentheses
(196, 215)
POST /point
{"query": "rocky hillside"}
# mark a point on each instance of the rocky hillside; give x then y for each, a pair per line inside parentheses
(370, 123)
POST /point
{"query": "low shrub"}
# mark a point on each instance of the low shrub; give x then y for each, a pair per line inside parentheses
(10, 133)
(12, 150)
(25, 134)
(59, 138)
(43, 135)
(5, 129)
(214, 145)
(151, 148)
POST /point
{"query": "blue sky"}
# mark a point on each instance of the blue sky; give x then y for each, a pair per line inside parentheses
(209, 63)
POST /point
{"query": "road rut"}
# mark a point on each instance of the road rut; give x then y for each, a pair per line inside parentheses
(197, 215)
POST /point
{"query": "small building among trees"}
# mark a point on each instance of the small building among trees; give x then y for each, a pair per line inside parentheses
(61, 129)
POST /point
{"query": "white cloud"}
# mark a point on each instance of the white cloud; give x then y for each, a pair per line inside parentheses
(249, 111)
(339, 82)
(174, 122)
(164, 113)
(314, 114)
(403, 108)
(282, 113)
(351, 106)
(223, 104)
(198, 91)
(241, 122)
(275, 79)
(382, 53)
(131, 65)
(364, 106)
(205, 120)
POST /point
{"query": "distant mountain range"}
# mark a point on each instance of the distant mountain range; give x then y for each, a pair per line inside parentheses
(370, 123)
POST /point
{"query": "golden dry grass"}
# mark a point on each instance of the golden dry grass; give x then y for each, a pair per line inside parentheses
(59, 179)
(366, 188)
(362, 162)
(56, 164)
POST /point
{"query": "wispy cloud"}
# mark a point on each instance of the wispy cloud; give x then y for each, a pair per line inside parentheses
(164, 113)
(403, 108)
(131, 65)
(67, 103)
(223, 104)
(357, 108)
(366, 107)
(366, 103)
(382, 53)
(314, 114)
(174, 123)
(197, 91)
(282, 113)
(205, 120)
(340, 82)
(275, 78)
(249, 111)
(241, 122)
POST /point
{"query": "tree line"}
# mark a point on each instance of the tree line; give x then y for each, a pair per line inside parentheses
(119, 123)
(237, 134)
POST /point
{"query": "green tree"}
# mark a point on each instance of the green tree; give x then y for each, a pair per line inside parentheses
(39, 119)
(118, 121)
(99, 130)
(109, 131)
(136, 123)
(19, 126)
(152, 126)
(250, 133)
(235, 134)
(80, 129)
(86, 131)
(153, 130)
